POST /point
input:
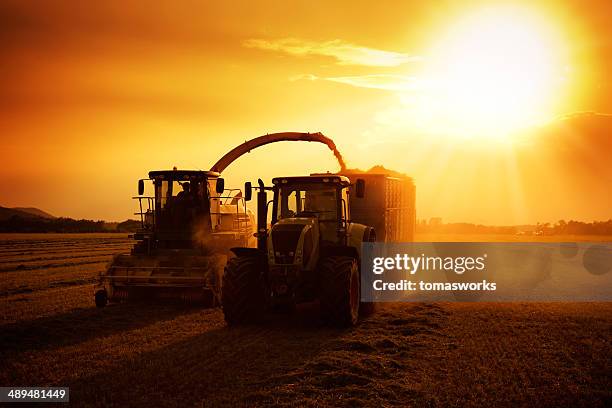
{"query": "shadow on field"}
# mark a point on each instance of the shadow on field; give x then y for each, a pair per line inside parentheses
(220, 365)
(285, 360)
(82, 324)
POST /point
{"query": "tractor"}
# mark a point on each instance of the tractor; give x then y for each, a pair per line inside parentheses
(311, 251)
(187, 228)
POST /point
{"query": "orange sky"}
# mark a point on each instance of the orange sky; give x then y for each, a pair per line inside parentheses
(96, 95)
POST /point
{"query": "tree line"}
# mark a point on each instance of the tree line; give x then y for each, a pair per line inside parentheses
(572, 227)
(37, 224)
(561, 227)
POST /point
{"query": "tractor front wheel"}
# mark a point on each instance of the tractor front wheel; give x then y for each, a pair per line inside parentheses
(101, 298)
(243, 293)
(339, 290)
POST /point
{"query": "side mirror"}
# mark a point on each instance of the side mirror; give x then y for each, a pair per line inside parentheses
(140, 187)
(360, 188)
(248, 191)
(220, 185)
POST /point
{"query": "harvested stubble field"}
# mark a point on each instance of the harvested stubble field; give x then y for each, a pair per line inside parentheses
(445, 354)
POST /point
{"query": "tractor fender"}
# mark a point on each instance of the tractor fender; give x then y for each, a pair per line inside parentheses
(357, 233)
(241, 251)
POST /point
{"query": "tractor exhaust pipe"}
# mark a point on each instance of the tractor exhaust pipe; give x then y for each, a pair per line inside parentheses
(262, 216)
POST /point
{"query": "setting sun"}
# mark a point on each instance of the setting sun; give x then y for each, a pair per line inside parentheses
(493, 73)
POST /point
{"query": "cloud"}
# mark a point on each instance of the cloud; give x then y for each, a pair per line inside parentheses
(583, 114)
(387, 82)
(309, 77)
(378, 81)
(345, 53)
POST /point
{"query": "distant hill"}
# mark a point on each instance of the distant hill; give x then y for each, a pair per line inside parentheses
(6, 213)
(34, 211)
(30, 219)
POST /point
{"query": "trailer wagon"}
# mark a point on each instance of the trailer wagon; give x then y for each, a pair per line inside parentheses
(388, 205)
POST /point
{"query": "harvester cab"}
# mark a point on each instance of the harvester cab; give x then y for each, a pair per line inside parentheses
(188, 205)
(311, 251)
(186, 230)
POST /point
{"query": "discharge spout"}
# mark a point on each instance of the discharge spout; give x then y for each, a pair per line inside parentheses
(249, 145)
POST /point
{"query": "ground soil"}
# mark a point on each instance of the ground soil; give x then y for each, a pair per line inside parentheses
(408, 354)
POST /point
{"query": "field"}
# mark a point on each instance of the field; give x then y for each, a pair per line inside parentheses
(410, 354)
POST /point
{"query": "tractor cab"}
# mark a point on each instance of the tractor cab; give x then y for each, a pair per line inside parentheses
(323, 197)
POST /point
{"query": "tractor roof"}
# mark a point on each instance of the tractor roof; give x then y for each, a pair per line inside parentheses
(182, 174)
(315, 178)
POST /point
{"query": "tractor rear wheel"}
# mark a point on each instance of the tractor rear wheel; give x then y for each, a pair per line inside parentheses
(339, 290)
(243, 293)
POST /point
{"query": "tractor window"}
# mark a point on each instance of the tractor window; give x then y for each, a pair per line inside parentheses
(291, 203)
(164, 189)
(307, 200)
(172, 191)
(322, 202)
